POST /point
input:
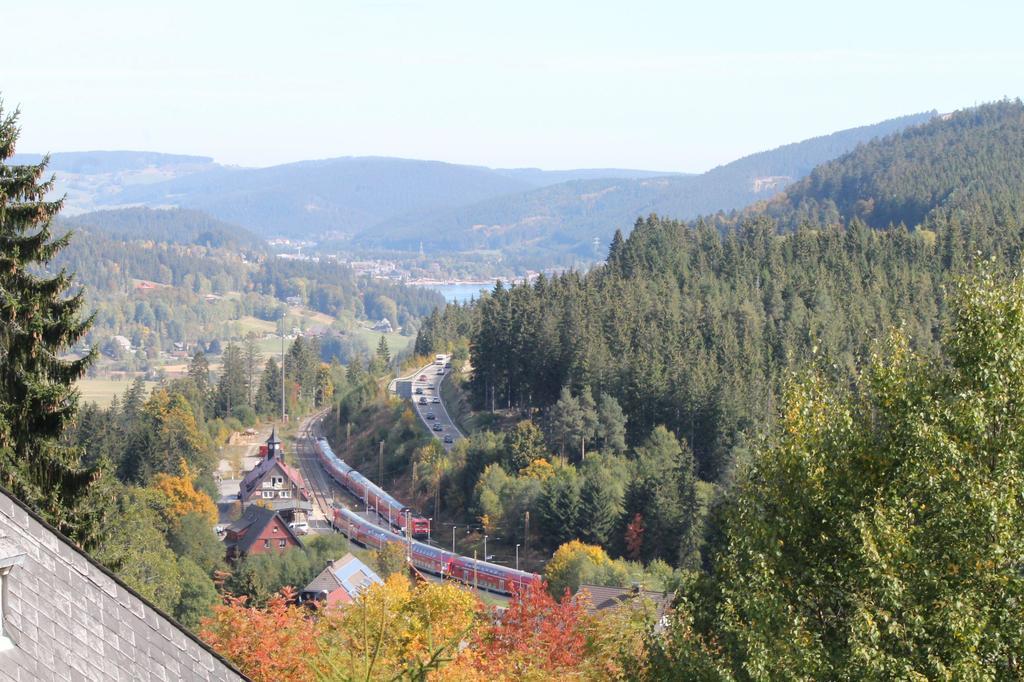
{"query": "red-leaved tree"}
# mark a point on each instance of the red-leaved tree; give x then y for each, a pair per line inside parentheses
(535, 637)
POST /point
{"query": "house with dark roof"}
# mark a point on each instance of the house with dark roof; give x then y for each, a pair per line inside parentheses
(340, 583)
(275, 485)
(63, 616)
(260, 530)
(602, 598)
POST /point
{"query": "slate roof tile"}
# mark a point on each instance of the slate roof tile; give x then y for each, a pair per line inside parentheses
(71, 619)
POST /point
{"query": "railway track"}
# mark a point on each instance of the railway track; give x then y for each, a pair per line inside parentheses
(321, 487)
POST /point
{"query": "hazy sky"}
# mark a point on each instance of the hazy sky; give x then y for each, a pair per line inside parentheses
(673, 85)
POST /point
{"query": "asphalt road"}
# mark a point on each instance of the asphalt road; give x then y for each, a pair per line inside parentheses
(428, 380)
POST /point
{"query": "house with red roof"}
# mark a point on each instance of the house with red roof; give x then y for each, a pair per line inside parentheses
(340, 583)
(259, 531)
(276, 485)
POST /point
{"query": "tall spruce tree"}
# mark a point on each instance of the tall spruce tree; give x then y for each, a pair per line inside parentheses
(39, 321)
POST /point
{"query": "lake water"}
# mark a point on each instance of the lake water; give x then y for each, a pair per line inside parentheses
(460, 293)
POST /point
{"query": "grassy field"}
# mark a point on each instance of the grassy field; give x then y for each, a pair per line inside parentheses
(396, 342)
(252, 324)
(102, 391)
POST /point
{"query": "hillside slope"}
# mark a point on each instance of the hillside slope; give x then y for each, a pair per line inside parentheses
(965, 166)
(343, 195)
(176, 226)
(698, 326)
(570, 215)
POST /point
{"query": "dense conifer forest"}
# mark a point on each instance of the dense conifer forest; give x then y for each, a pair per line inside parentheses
(698, 326)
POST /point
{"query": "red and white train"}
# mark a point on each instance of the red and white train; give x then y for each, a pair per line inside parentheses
(373, 498)
(480, 574)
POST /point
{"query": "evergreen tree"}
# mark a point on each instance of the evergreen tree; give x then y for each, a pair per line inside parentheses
(231, 388)
(558, 507)
(39, 322)
(268, 397)
(251, 357)
(199, 371)
(383, 352)
(565, 421)
(611, 429)
(600, 506)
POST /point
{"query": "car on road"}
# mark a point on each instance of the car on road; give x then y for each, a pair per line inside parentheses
(438, 427)
(423, 400)
(430, 415)
(440, 370)
(299, 527)
(423, 377)
(448, 438)
(419, 391)
(435, 400)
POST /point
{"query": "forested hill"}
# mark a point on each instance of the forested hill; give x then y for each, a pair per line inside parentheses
(176, 226)
(965, 166)
(698, 329)
(570, 215)
(101, 162)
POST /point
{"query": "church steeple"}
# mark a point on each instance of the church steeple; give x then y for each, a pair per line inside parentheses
(274, 446)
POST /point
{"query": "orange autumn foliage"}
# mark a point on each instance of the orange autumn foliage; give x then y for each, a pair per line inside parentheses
(182, 496)
(275, 644)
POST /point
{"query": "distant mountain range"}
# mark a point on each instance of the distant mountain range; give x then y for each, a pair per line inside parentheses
(397, 204)
(571, 215)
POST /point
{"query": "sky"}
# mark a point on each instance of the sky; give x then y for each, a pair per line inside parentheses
(671, 86)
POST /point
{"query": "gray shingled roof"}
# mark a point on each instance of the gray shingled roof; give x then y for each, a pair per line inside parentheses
(71, 618)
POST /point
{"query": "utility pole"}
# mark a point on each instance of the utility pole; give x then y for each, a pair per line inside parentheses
(380, 465)
(408, 535)
(517, 556)
(453, 537)
(282, 375)
(526, 533)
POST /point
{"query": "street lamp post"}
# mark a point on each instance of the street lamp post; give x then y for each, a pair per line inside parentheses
(453, 537)
(485, 547)
(430, 523)
(517, 556)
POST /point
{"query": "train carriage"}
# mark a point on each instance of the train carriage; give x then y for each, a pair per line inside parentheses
(373, 497)
(434, 560)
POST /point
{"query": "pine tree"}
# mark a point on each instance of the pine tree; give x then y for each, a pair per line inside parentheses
(268, 397)
(611, 430)
(383, 352)
(39, 322)
(199, 371)
(600, 506)
(251, 355)
(559, 506)
(231, 389)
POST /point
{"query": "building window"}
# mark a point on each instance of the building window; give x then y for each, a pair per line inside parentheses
(268, 494)
(266, 544)
(281, 543)
(286, 494)
(10, 556)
